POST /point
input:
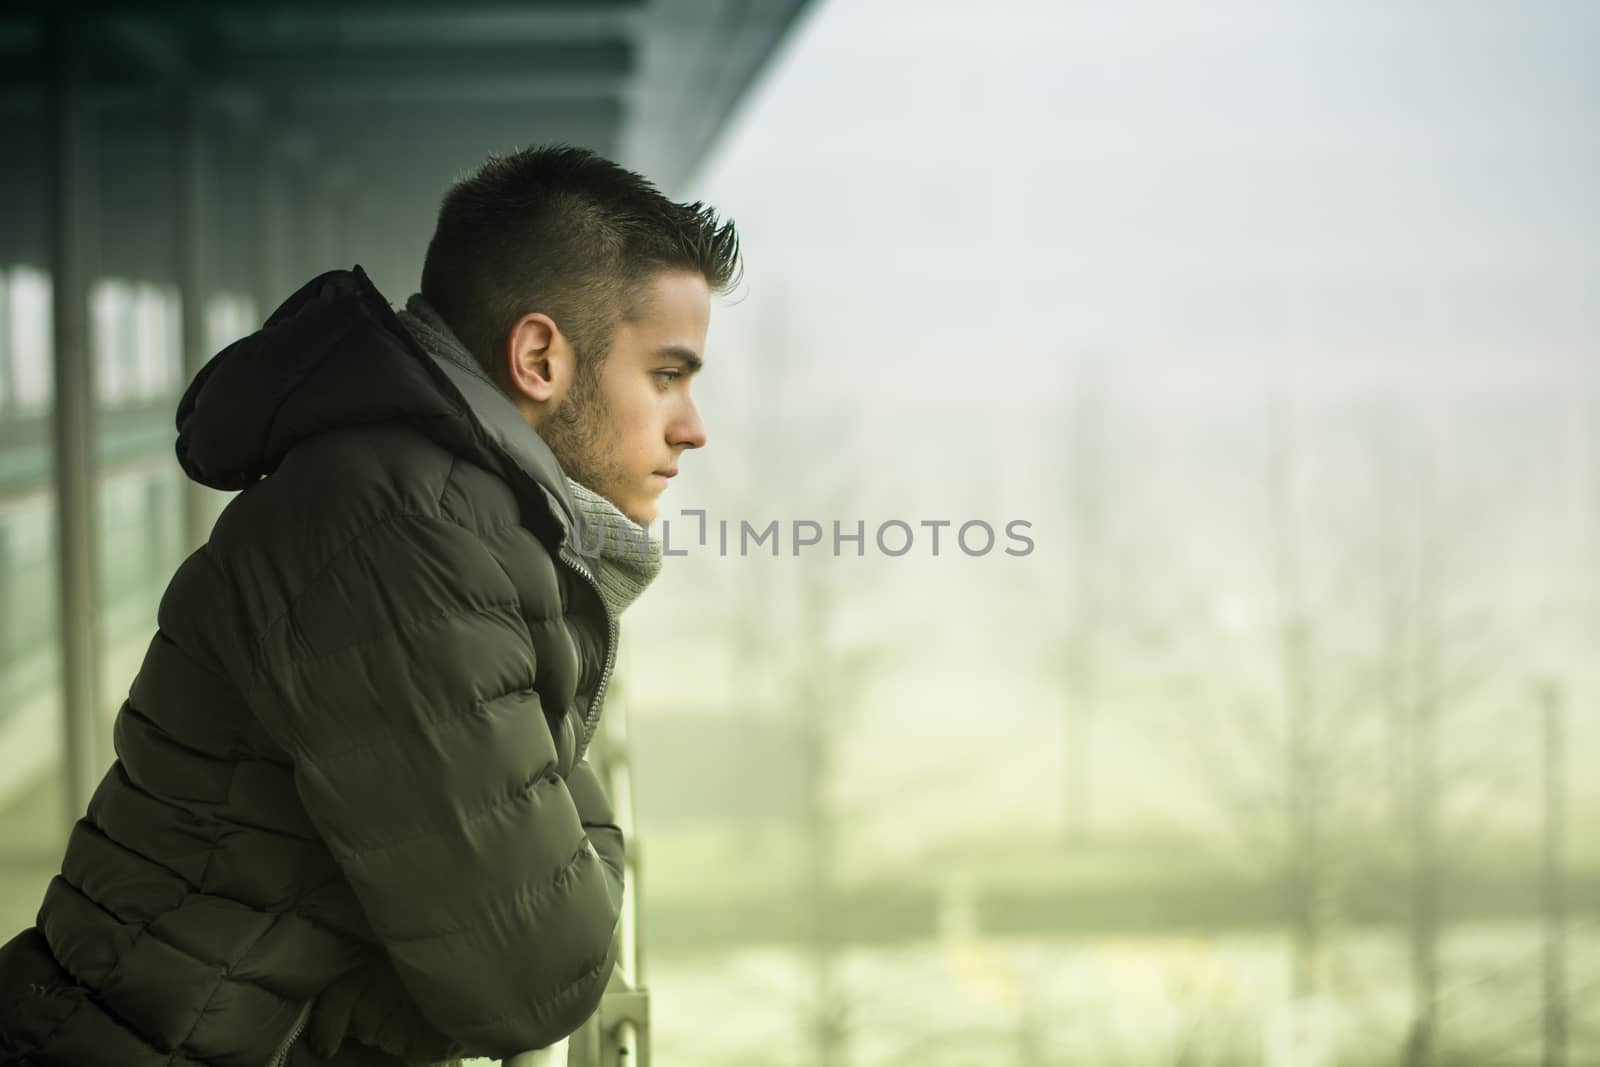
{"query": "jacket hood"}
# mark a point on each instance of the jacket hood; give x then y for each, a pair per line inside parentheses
(332, 356)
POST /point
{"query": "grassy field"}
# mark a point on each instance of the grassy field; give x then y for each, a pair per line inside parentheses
(1154, 1000)
(710, 888)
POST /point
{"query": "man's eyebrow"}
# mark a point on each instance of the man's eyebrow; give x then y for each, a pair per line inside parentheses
(685, 355)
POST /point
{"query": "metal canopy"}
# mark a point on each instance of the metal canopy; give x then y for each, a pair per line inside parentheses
(648, 83)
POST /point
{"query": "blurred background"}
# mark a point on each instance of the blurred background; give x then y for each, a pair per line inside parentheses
(1277, 324)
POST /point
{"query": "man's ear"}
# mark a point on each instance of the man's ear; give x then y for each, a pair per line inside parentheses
(536, 358)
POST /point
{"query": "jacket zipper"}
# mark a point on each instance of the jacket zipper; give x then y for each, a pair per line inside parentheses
(281, 1057)
(591, 715)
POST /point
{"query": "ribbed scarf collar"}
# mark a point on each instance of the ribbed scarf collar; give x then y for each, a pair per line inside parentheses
(630, 555)
(625, 556)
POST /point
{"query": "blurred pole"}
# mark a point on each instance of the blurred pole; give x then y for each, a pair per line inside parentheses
(158, 532)
(341, 225)
(8, 356)
(384, 226)
(618, 772)
(628, 1045)
(8, 594)
(356, 229)
(332, 224)
(406, 253)
(271, 270)
(1086, 458)
(70, 123)
(326, 242)
(554, 1056)
(1555, 905)
(1305, 787)
(812, 706)
(195, 192)
(347, 225)
(1423, 769)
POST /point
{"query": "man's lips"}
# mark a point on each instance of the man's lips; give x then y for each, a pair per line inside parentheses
(671, 473)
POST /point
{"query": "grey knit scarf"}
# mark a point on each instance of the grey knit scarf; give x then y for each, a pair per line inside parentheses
(630, 555)
(625, 556)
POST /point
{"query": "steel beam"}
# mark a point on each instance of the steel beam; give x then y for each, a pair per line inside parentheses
(208, 8)
(452, 63)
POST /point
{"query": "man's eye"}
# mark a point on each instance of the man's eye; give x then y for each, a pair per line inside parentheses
(667, 377)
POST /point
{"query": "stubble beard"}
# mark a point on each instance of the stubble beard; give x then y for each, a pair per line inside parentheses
(578, 433)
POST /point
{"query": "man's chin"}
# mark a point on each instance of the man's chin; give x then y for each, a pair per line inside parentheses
(641, 511)
(643, 514)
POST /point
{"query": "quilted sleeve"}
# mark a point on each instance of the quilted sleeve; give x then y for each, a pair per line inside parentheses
(402, 682)
(599, 822)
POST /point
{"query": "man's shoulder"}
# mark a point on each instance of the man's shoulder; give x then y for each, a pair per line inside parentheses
(381, 513)
(338, 482)
(334, 489)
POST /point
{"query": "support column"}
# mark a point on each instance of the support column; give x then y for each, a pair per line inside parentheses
(329, 239)
(345, 225)
(71, 141)
(194, 220)
(272, 229)
(399, 274)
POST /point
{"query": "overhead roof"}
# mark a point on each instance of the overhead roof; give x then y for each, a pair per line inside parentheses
(398, 97)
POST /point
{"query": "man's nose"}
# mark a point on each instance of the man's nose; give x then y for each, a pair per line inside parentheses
(690, 429)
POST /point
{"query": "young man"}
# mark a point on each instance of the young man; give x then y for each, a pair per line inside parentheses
(351, 821)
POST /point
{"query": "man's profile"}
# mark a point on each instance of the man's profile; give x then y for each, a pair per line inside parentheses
(351, 820)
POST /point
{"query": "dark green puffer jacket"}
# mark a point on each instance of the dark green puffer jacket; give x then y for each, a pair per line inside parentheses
(357, 735)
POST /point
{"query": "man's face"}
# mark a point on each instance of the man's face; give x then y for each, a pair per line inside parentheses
(621, 435)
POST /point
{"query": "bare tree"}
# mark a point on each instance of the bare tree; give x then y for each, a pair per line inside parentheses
(1409, 562)
(1306, 769)
(1075, 654)
(1285, 757)
(790, 669)
(815, 707)
(1552, 878)
(1432, 655)
(1085, 443)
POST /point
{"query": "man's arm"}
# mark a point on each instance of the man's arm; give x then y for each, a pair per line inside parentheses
(402, 683)
(599, 821)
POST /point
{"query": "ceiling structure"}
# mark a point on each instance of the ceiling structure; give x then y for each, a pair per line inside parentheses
(394, 99)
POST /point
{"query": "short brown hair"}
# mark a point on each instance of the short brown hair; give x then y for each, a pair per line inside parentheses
(562, 230)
